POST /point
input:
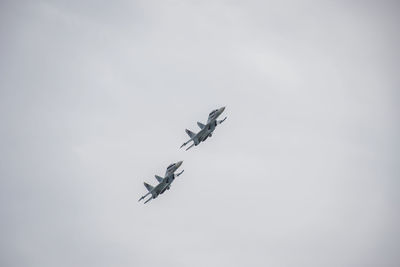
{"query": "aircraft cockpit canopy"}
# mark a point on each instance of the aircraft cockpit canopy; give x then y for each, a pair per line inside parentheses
(212, 112)
(170, 166)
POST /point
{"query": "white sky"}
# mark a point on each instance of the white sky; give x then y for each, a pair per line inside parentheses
(95, 97)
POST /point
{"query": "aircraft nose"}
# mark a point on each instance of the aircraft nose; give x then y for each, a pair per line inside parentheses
(178, 164)
(222, 109)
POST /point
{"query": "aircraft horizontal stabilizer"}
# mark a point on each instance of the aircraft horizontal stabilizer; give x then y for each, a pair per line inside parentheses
(148, 187)
(190, 133)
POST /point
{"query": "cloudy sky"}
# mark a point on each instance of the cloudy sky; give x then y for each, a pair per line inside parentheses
(95, 97)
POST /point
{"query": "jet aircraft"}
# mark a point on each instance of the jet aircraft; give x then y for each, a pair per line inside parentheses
(163, 183)
(205, 130)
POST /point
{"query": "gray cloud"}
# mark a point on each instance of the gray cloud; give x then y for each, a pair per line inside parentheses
(94, 97)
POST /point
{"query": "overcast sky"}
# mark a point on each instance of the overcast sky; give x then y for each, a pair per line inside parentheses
(95, 97)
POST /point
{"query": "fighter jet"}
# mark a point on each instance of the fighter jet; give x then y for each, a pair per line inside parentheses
(163, 183)
(205, 130)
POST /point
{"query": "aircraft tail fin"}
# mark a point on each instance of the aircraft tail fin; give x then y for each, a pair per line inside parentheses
(190, 146)
(201, 125)
(148, 187)
(191, 134)
(159, 179)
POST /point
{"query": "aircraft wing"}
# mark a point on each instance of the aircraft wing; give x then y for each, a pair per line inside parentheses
(159, 179)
